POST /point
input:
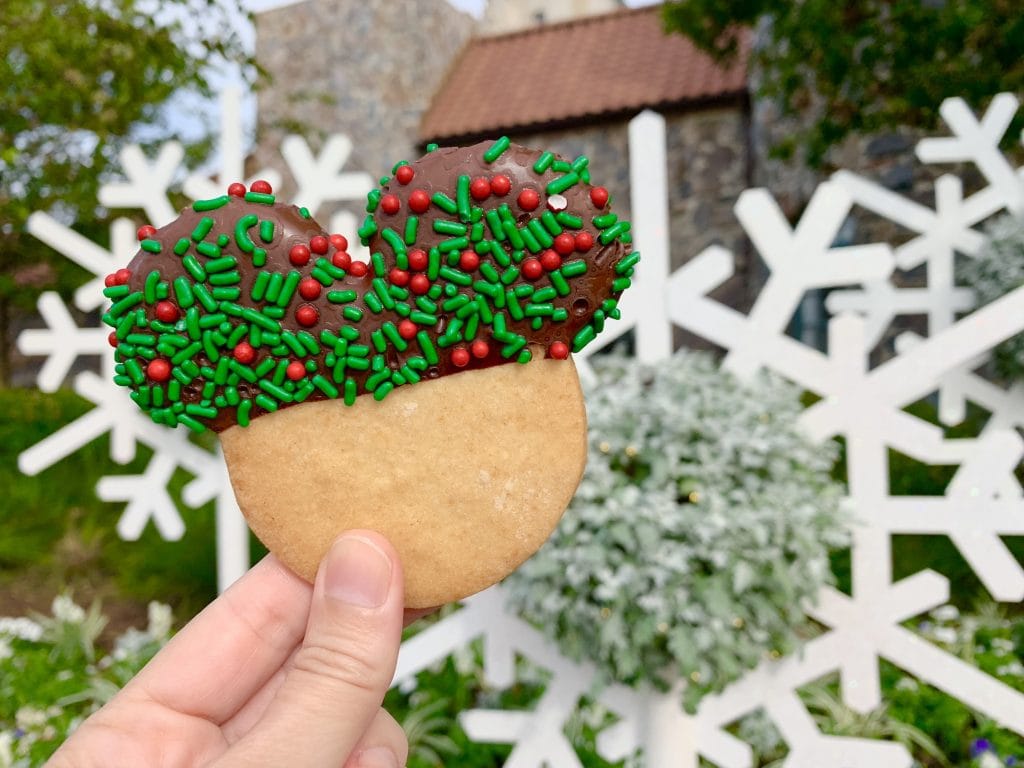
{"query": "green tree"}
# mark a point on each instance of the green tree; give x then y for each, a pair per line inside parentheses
(861, 66)
(78, 78)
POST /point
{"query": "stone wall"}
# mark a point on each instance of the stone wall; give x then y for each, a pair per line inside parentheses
(366, 68)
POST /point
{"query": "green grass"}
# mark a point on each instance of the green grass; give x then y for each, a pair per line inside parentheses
(54, 532)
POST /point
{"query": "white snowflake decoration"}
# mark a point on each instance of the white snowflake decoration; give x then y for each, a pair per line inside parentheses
(862, 404)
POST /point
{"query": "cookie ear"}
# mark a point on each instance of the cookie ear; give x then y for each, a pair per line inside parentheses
(520, 234)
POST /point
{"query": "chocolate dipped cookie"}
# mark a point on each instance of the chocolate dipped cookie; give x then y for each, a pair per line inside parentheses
(492, 262)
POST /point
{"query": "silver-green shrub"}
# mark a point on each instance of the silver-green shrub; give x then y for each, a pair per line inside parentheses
(997, 269)
(703, 523)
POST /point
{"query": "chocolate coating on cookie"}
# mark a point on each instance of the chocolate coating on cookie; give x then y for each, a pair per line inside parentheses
(480, 255)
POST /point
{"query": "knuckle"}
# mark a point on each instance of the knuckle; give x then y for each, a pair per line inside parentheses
(348, 665)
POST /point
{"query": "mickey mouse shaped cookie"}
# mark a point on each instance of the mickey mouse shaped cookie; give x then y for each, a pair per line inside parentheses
(428, 395)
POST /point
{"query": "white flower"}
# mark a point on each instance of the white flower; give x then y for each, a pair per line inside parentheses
(6, 749)
(67, 610)
(21, 628)
(946, 635)
(27, 718)
(160, 619)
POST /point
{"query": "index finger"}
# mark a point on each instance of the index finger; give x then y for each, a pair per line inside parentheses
(227, 653)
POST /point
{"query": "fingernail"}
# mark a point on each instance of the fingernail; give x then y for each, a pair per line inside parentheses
(357, 573)
(377, 757)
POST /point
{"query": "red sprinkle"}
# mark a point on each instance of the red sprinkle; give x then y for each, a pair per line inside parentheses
(166, 312)
(559, 350)
(307, 315)
(159, 370)
(599, 196)
(309, 288)
(146, 230)
(390, 204)
(358, 268)
(404, 174)
(469, 260)
(500, 185)
(295, 370)
(419, 201)
(531, 269)
(319, 244)
(584, 241)
(341, 260)
(417, 260)
(528, 200)
(480, 348)
(299, 255)
(550, 260)
(419, 284)
(261, 187)
(565, 244)
(112, 339)
(237, 189)
(480, 189)
(244, 352)
(398, 276)
(460, 357)
(122, 276)
(110, 280)
(407, 329)
(340, 242)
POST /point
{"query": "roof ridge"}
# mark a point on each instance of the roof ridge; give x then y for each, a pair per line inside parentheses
(577, 21)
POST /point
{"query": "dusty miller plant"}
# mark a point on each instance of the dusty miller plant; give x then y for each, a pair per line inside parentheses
(703, 523)
(995, 271)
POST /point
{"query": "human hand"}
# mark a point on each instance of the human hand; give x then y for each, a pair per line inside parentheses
(275, 672)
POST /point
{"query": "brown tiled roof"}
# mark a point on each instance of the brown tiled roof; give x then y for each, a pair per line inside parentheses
(558, 74)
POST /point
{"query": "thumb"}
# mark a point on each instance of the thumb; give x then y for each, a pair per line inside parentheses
(340, 674)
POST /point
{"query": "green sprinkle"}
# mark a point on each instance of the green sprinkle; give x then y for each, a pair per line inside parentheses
(288, 290)
(309, 342)
(560, 166)
(485, 311)
(613, 232)
(411, 225)
(368, 230)
(445, 203)
(350, 392)
(627, 263)
(428, 347)
(495, 225)
(192, 323)
(265, 402)
(455, 275)
(242, 234)
(259, 319)
(381, 289)
(212, 321)
(304, 213)
(543, 162)
(275, 312)
(393, 239)
(562, 183)
(274, 288)
(244, 371)
(455, 244)
(455, 303)
(341, 297)
(259, 257)
(449, 227)
(209, 250)
(181, 246)
(478, 232)
(293, 343)
(393, 336)
(489, 272)
(206, 412)
(431, 147)
(259, 197)
(183, 291)
(266, 231)
(559, 282)
(513, 305)
(221, 265)
(551, 223)
(373, 303)
(352, 313)
(242, 414)
(514, 235)
(266, 366)
(523, 290)
(517, 343)
(569, 221)
(149, 291)
(225, 278)
(547, 293)
(186, 354)
(204, 297)
(495, 150)
(191, 423)
(372, 200)
(530, 240)
(322, 277)
(586, 335)
(422, 318)
(620, 284)
(223, 240)
(150, 246)
(574, 268)
(500, 256)
(259, 287)
(274, 390)
(382, 391)
(605, 220)
(525, 356)
(194, 268)
(462, 197)
(433, 264)
(539, 310)
(357, 363)
(212, 204)
(379, 268)
(509, 275)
